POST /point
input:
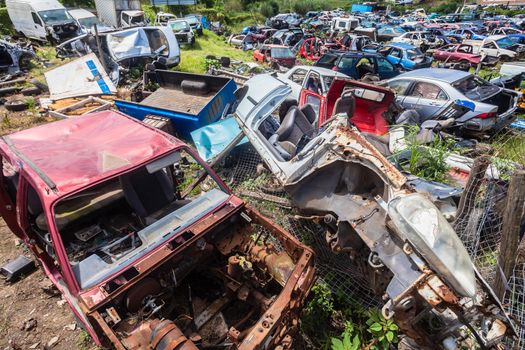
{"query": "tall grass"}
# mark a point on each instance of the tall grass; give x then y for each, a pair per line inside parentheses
(193, 59)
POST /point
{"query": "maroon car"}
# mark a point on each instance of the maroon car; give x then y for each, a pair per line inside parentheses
(146, 244)
(462, 53)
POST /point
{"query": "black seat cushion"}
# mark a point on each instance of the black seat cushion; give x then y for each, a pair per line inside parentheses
(309, 112)
(294, 128)
(345, 104)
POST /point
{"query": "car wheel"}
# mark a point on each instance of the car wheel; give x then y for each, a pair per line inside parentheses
(16, 105)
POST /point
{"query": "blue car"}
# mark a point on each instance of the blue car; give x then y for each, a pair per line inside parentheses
(517, 38)
(248, 30)
(466, 34)
(406, 56)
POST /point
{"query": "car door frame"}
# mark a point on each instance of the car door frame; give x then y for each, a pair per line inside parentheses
(430, 104)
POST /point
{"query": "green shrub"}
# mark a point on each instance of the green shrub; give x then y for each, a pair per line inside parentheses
(269, 9)
(5, 23)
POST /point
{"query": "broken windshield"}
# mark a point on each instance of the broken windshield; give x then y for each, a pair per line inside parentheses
(504, 42)
(111, 224)
(54, 16)
(475, 88)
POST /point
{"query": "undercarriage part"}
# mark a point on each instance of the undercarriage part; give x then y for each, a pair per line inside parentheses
(229, 289)
(158, 335)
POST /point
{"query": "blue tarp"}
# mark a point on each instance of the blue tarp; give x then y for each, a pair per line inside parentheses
(362, 8)
(212, 139)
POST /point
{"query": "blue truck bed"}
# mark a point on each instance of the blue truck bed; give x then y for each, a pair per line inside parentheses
(188, 109)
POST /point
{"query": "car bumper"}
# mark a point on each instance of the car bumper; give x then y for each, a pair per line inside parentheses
(480, 125)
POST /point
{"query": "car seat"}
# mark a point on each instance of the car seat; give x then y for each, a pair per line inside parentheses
(345, 105)
(150, 195)
(309, 113)
(294, 131)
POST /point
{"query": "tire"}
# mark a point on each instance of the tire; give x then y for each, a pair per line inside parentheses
(16, 105)
(41, 86)
(194, 87)
(225, 62)
(9, 91)
(31, 91)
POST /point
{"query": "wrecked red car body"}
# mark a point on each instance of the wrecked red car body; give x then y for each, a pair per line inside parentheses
(146, 244)
(373, 104)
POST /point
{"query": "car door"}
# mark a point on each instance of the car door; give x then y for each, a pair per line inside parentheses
(490, 48)
(38, 30)
(318, 103)
(426, 98)
(385, 69)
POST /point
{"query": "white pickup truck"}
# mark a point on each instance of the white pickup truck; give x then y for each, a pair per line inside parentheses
(499, 46)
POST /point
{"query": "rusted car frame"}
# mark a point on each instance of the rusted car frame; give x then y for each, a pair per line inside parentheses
(398, 239)
(202, 270)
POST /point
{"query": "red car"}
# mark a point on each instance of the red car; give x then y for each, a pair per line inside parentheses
(457, 53)
(275, 55)
(313, 48)
(373, 104)
(135, 249)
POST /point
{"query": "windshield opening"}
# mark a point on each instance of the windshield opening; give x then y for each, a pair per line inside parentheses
(413, 53)
(53, 16)
(179, 25)
(282, 52)
(504, 42)
(89, 22)
(137, 19)
(113, 223)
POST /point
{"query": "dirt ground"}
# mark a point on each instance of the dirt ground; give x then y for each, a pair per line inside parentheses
(31, 314)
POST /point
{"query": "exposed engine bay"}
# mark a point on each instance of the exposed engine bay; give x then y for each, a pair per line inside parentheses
(214, 293)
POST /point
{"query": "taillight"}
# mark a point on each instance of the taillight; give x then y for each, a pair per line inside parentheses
(334, 68)
(487, 115)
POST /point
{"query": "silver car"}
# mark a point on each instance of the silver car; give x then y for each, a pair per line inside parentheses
(429, 90)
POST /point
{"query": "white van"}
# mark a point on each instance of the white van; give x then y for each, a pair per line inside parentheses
(344, 24)
(45, 20)
(87, 20)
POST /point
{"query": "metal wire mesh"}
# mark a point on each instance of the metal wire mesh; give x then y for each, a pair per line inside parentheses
(480, 229)
(246, 176)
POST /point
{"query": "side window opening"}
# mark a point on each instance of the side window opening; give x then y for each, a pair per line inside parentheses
(36, 19)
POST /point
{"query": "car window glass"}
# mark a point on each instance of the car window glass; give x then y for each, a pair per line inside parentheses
(298, 76)
(36, 19)
(428, 90)
(399, 86)
(396, 53)
(465, 49)
(347, 62)
(383, 65)
(489, 46)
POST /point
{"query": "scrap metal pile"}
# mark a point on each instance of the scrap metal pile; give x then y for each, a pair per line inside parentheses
(374, 162)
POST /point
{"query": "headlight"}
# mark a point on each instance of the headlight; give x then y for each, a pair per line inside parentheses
(423, 225)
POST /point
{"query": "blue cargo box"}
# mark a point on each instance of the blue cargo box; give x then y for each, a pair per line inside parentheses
(190, 101)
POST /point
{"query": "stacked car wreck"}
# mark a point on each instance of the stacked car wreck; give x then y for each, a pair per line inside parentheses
(413, 255)
(180, 210)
